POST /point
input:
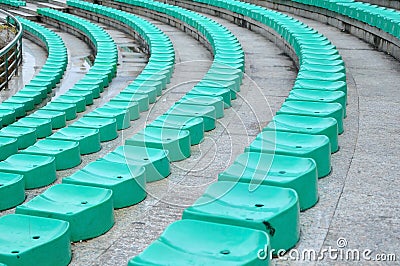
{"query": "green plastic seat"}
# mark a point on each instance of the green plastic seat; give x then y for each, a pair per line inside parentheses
(155, 161)
(87, 95)
(42, 126)
(307, 125)
(131, 107)
(37, 96)
(150, 91)
(315, 109)
(58, 119)
(274, 210)
(206, 112)
(25, 239)
(120, 115)
(25, 136)
(8, 146)
(175, 141)
(299, 174)
(92, 88)
(128, 183)
(191, 242)
(319, 96)
(216, 102)
(320, 85)
(32, 88)
(212, 92)
(68, 108)
(316, 147)
(38, 171)
(7, 116)
(66, 153)
(18, 108)
(141, 99)
(88, 138)
(12, 190)
(89, 210)
(106, 126)
(28, 103)
(194, 125)
(79, 101)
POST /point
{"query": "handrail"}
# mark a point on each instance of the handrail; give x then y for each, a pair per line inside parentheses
(11, 54)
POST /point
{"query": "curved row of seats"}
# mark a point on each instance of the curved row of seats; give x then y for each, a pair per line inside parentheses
(14, 3)
(41, 85)
(277, 174)
(87, 211)
(383, 18)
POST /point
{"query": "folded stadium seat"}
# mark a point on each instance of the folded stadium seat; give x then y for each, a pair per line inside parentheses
(38, 171)
(68, 108)
(88, 138)
(18, 108)
(316, 109)
(25, 136)
(58, 118)
(216, 102)
(25, 239)
(215, 244)
(89, 210)
(79, 101)
(140, 98)
(299, 174)
(8, 146)
(274, 210)
(106, 126)
(131, 107)
(307, 125)
(319, 96)
(194, 125)
(66, 153)
(28, 102)
(42, 126)
(206, 112)
(128, 183)
(175, 141)
(212, 91)
(155, 161)
(316, 147)
(120, 115)
(7, 116)
(12, 190)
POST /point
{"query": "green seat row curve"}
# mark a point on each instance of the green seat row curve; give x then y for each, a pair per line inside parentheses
(42, 84)
(14, 3)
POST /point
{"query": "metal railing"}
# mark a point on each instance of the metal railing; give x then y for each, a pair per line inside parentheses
(11, 54)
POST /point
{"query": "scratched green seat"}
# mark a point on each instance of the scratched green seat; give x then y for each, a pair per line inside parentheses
(194, 125)
(307, 125)
(26, 239)
(8, 146)
(38, 171)
(66, 153)
(120, 115)
(89, 210)
(217, 102)
(128, 183)
(106, 126)
(274, 210)
(215, 244)
(316, 147)
(299, 174)
(88, 138)
(206, 112)
(42, 126)
(212, 91)
(155, 161)
(58, 118)
(315, 109)
(175, 141)
(12, 190)
(25, 136)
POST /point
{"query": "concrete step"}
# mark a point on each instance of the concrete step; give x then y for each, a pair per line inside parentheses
(24, 14)
(57, 6)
